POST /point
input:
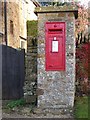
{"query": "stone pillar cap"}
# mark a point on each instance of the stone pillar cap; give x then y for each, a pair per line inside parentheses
(57, 9)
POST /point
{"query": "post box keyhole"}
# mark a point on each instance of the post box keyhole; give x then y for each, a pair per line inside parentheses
(55, 25)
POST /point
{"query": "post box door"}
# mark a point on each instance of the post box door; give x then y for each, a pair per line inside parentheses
(55, 46)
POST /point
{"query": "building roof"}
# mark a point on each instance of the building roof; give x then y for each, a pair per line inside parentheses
(36, 3)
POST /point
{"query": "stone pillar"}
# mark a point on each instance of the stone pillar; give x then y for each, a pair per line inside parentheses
(56, 89)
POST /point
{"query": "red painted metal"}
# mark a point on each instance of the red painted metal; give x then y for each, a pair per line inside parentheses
(55, 46)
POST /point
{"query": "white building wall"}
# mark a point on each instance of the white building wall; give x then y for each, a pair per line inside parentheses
(30, 11)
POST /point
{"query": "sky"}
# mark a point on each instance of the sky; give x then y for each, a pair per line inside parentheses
(84, 2)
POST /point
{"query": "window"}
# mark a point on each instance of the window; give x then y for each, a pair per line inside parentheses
(22, 44)
(11, 26)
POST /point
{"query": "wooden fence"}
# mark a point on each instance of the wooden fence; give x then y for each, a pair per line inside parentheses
(82, 38)
(13, 72)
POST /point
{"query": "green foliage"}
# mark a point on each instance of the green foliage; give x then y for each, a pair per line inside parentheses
(18, 106)
(16, 103)
(60, 3)
(55, 3)
(81, 107)
(32, 28)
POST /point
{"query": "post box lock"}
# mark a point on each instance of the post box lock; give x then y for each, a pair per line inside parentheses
(55, 46)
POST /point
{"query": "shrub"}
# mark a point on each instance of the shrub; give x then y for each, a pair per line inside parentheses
(32, 28)
(82, 69)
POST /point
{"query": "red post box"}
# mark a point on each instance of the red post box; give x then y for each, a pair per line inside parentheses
(55, 46)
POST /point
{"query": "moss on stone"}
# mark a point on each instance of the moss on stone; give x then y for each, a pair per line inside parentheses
(56, 8)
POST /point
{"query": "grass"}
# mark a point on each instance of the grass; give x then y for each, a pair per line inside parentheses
(82, 108)
(15, 103)
(17, 106)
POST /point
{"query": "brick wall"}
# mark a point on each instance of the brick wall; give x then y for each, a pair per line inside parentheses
(17, 17)
(13, 15)
(1, 21)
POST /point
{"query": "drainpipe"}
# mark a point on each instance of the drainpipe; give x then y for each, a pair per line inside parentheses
(5, 20)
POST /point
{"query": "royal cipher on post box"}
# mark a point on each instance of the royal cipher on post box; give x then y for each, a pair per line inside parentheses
(55, 46)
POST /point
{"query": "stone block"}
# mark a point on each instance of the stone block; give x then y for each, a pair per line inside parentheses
(30, 99)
